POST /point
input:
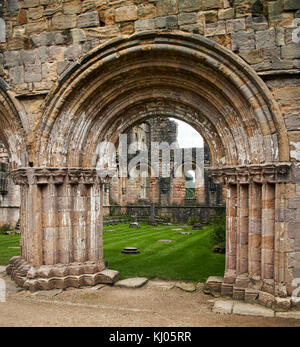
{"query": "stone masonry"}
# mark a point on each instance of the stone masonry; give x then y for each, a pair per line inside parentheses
(74, 73)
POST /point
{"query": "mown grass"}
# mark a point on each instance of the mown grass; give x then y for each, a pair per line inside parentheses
(188, 257)
(6, 253)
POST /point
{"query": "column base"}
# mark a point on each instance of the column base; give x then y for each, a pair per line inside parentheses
(59, 276)
(252, 290)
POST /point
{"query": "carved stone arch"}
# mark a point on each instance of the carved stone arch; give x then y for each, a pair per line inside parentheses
(91, 98)
(13, 127)
(123, 82)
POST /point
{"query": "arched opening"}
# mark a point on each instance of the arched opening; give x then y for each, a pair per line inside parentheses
(184, 76)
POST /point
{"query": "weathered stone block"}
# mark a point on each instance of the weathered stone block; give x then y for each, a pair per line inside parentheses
(126, 13)
(227, 13)
(16, 75)
(78, 35)
(89, 19)
(146, 11)
(187, 18)
(265, 38)
(166, 7)
(2, 30)
(266, 299)
(243, 40)
(11, 58)
(144, 24)
(33, 73)
(64, 22)
(291, 5)
(291, 51)
(194, 28)
(238, 293)
(213, 29)
(73, 52)
(43, 39)
(282, 304)
(226, 289)
(12, 5)
(251, 295)
(235, 25)
(36, 27)
(166, 22)
(71, 8)
(30, 3)
(212, 4)
(35, 13)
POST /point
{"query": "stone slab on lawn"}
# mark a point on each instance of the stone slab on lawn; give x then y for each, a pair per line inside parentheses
(223, 307)
(136, 282)
(109, 276)
(245, 309)
(187, 287)
(3, 269)
(161, 284)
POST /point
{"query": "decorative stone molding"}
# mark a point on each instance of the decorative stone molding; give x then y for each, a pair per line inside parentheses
(57, 175)
(59, 276)
(261, 173)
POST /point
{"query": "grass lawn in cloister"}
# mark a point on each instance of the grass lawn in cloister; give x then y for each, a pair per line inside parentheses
(187, 257)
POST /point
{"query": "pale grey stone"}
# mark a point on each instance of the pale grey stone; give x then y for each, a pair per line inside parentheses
(187, 18)
(167, 285)
(190, 5)
(187, 287)
(132, 282)
(243, 40)
(145, 24)
(43, 39)
(223, 307)
(89, 19)
(265, 38)
(27, 57)
(245, 309)
(2, 30)
(16, 75)
(33, 73)
(169, 22)
(11, 58)
(12, 5)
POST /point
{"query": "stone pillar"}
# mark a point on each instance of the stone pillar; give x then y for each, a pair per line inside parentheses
(231, 233)
(242, 229)
(254, 237)
(61, 228)
(268, 231)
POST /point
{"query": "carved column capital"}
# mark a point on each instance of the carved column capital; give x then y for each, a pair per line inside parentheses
(246, 174)
(60, 175)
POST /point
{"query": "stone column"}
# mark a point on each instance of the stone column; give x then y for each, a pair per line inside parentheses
(231, 233)
(61, 228)
(254, 238)
(242, 229)
(268, 231)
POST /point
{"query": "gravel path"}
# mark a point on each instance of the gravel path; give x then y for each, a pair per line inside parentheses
(154, 305)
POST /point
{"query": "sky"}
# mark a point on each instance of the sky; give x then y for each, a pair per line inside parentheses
(188, 136)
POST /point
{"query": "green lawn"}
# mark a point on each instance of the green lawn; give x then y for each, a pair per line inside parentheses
(6, 253)
(188, 257)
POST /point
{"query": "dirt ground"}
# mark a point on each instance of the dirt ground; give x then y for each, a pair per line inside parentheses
(149, 306)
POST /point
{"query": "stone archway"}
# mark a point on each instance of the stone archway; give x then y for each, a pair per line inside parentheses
(121, 83)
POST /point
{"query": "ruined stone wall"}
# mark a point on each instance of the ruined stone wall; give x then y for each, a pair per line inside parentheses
(123, 191)
(9, 195)
(249, 121)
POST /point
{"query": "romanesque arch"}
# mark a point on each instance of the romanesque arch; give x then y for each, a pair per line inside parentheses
(121, 83)
(13, 127)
